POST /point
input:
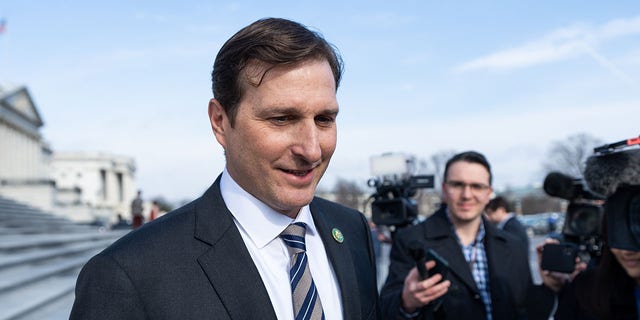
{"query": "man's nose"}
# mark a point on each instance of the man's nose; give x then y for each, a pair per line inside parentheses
(467, 191)
(307, 142)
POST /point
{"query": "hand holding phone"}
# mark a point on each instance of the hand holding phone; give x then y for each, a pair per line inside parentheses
(559, 257)
(441, 267)
(421, 256)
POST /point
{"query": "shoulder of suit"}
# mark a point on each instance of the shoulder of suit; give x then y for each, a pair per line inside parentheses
(175, 221)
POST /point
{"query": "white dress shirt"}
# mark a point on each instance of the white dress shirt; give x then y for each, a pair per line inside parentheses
(260, 227)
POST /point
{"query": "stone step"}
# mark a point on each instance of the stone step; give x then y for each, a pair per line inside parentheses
(37, 229)
(20, 223)
(58, 309)
(13, 242)
(26, 210)
(32, 256)
(23, 302)
(22, 275)
(6, 215)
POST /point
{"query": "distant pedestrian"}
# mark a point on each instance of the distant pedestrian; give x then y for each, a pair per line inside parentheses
(136, 211)
(155, 210)
(552, 222)
(499, 212)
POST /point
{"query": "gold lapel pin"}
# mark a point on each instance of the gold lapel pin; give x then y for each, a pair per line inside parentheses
(337, 235)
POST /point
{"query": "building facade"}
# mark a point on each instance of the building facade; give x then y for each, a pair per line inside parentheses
(82, 186)
(103, 184)
(24, 155)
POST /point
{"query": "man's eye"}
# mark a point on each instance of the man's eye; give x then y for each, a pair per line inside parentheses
(280, 120)
(325, 120)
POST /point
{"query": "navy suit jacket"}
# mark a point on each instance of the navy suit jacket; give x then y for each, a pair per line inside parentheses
(517, 229)
(192, 264)
(509, 272)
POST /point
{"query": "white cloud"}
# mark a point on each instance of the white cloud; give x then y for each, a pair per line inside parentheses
(516, 143)
(560, 44)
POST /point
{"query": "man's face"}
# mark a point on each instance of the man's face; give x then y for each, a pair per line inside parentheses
(496, 215)
(466, 190)
(284, 134)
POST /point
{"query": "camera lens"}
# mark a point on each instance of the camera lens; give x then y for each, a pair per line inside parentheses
(583, 220)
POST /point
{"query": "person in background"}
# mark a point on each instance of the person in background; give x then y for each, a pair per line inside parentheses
(488, 272)
(499, 212)
(258, 244)
(610, 289)
(136, 211)
(155, 210)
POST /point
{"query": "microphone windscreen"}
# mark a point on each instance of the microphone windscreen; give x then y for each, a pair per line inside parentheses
(605, 173)
(559, 185)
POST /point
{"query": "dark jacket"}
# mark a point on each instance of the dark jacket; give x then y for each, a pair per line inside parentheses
(193, 264)
(622, 303)
(509, 273)
(516, 228)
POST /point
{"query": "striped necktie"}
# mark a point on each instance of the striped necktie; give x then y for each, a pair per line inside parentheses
(306, 302)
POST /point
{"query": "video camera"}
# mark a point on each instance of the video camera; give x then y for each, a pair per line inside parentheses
(581, 229)
(612, 175)
(614, 172)
(395, 185)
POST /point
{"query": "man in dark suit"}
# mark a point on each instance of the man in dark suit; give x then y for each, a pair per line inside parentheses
(488, 275)
(499, 212)
(230, 253)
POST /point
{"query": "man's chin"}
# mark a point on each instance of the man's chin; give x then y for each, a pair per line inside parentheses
(292, 204)
(466, 214)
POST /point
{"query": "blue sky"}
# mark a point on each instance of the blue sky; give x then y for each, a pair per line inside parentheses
(505, 78)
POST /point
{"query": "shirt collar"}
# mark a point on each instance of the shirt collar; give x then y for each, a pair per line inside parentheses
(261, 223)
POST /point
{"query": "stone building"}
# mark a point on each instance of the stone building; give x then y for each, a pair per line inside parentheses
(24, 155)
(92, 185)
(82, 186)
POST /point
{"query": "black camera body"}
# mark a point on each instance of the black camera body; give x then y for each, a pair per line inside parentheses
(559, 257)
(581, 235)
(612, 175)
(395, 185)
(393, 204)
(614, 171)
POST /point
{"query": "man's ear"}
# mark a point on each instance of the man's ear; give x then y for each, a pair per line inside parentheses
(219, 121)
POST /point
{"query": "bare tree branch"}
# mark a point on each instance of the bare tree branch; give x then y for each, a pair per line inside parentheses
(569, 156)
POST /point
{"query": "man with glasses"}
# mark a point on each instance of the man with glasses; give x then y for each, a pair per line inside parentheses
(488, 274)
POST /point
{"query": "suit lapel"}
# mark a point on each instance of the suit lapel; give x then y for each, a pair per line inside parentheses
(228, 264)
(341, 261)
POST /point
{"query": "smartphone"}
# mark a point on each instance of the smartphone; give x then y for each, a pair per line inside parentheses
(559, 257)
(421, 256)
(441, 267)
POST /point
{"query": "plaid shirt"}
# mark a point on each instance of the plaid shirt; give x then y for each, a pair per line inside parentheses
(476, 256)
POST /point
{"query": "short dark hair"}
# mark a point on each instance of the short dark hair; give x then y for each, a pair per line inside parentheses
(274, 42)
(468, 156)
(498, 202)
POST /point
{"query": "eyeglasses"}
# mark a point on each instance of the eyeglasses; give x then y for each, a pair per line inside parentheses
(459, 186)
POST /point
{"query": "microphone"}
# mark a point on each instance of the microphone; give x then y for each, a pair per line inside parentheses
(560, 185)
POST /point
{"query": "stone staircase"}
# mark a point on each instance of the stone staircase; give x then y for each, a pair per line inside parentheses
(40, 257)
